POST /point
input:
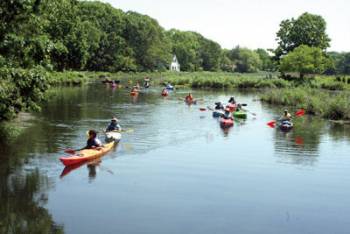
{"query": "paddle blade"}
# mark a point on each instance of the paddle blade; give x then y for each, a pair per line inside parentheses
(272, 123)
(202, 109)
(300, 112)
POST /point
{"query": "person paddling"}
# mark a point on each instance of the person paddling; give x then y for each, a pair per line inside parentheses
(189, 98)
(93, 142)
(219, 106)
(227, 114)
(232, 100)
(114, 125)
(286, 116)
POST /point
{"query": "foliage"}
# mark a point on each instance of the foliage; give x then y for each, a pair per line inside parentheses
(305, 60)
(245, 60)
(307, 29)
(21, 90)
(314, 101)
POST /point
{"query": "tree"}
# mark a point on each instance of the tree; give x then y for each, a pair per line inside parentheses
(186, 46)
(305, 60)
(308, 29)
(245, 60)
(267, 63)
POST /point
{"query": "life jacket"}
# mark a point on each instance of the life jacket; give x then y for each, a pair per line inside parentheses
(93, 142)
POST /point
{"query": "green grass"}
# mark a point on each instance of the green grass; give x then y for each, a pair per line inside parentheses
(329, 105)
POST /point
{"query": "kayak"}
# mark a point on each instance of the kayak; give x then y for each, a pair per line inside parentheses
(134, 93)
(113, 136)
(217, 114)
(169, 87)
(225, 123)
(231, 106)
(240, 114)
(86, 155)
(286, 126)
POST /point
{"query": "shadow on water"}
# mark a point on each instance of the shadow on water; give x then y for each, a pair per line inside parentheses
(23, 196)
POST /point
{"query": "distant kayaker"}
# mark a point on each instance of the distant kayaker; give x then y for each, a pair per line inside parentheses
(219, 106)
(93, 142)
(189, 98)
(227, 114)
(146, 83)
(232, 100)
(239, 107)
(286, 116)
(114, 125)
(134, 89)
(165, 92)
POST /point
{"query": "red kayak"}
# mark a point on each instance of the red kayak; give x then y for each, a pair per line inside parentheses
(225, 123)
(232, 107)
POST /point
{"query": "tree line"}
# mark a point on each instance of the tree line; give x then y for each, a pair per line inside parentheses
(82, 35)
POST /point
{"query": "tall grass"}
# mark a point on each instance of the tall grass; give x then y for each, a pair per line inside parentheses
(330, 105)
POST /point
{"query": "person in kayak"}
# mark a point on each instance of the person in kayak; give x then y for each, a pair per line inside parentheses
(93, 142)
(239, 107)
(146, 83)
(219, 106)
(134, 89)
(189, 98)
(114, 125)
(286, 116)
(232, 100)
(227, 114)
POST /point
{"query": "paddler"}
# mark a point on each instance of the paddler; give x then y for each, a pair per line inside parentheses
(189, 98)
(227, 114)
(232, 100)
(113, 125)
(93, 142)
(219, 106)
(286, 116)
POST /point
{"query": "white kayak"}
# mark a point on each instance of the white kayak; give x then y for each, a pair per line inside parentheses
(113, 136)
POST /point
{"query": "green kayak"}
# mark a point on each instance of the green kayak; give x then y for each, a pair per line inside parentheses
(240, 114)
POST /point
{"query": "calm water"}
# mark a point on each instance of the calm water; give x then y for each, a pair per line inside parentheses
(178, 172)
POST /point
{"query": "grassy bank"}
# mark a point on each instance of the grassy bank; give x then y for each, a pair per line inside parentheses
(223, 80)
(329, 105)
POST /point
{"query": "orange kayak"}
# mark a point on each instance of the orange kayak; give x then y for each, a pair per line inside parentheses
(86, 155)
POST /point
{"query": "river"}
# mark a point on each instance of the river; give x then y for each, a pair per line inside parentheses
(177, 171)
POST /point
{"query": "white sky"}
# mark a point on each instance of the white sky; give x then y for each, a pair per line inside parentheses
(248, 23)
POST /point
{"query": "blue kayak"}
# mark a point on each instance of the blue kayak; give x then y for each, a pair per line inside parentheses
(286, 125)
(169, 87)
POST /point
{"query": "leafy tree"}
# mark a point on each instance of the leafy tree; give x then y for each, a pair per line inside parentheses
(267, 63)
(305, 60)
(185, 45)
(210, 53)
(245, 60)
(307, 29)
(148, 41)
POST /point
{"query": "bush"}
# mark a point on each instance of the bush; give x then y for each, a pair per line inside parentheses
(20, 90)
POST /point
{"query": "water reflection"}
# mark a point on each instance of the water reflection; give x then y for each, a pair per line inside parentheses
(22, 200)
(301, 144)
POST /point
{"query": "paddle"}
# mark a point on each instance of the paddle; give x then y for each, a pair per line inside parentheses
(202, 109)
(298, 113)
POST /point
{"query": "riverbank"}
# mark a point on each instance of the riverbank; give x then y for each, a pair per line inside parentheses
(329, 105)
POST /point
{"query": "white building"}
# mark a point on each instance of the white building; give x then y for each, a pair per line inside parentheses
(175, 66)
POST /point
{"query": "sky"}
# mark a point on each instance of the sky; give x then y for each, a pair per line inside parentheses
(247, 23)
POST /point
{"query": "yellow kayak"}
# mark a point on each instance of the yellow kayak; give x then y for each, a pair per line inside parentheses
(86, 154)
